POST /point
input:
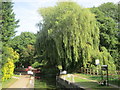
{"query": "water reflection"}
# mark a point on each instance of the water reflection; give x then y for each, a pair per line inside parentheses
(45, 82)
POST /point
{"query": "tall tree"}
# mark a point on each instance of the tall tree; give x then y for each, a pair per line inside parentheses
(70, 37)
(8, 22)
(24, 45)
(119, 33)
(108, 25)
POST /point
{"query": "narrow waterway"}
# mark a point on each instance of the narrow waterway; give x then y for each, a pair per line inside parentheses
(47, 82)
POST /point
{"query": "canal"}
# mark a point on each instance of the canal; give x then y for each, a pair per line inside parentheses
(46, 82)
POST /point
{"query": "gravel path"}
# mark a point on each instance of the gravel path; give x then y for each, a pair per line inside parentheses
(24, 82)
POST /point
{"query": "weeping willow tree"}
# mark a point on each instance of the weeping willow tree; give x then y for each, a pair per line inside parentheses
(69, 36)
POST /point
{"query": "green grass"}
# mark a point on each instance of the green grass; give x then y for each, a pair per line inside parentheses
(91, 77)
(16, 75)
(115, 82)
(77, 79)
(98, 78)
(87, 83)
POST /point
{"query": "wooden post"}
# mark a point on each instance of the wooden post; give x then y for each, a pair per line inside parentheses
(81, 69)
(97, 72)
(84, 71)
(93, 72)
(87, 70)
(90, 71)
(101, 74)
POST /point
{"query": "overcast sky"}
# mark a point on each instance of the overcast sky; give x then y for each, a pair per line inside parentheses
(26, 11)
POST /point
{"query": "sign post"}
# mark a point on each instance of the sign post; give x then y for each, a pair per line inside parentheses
(97, 63)
(105, 68)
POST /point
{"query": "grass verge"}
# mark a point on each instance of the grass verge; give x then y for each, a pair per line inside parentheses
(88, 82)
(98, 78)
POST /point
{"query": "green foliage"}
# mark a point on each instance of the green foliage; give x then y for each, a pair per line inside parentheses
(8, 52)
(24, 45)
(110, 10)
(49, 71)
(108, 25)
(8, 22)
(119, 35)
(10, 57)
(108, 32)
(106, 59)
(36, 64)
(0, 52)
(20, 42)
(69, 37)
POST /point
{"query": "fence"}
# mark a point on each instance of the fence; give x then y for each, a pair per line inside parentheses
(114, 78)
(89, 71)
(95, 71)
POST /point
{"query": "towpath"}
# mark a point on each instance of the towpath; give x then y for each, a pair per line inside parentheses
(24, 82)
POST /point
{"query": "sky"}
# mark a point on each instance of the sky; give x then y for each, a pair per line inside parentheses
(27, 11)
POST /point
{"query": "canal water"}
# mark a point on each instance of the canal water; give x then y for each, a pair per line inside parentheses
(46, 82)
